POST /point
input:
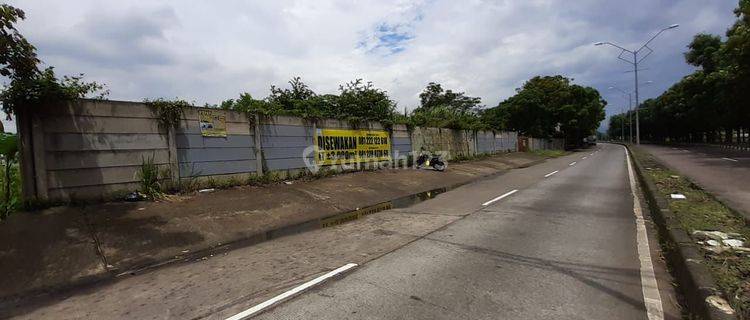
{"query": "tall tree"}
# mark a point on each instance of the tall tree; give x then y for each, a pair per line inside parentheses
(550, 106)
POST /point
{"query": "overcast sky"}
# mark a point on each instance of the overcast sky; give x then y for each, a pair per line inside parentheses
(213, 50)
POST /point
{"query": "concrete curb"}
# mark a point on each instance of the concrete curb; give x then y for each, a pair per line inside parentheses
(250, 240)
(683, 256)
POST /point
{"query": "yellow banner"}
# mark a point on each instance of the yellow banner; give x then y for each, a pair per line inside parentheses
(340, 146)
(213, 123)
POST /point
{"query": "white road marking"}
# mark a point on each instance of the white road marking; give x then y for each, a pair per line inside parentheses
(551, 173)
(649, 286)
(584, 158)
(730, 159)
(500, 197)
(258, 308)
(572, 163)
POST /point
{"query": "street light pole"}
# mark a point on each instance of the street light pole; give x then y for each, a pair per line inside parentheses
(622, 126)
(634, 63)
(630, 109)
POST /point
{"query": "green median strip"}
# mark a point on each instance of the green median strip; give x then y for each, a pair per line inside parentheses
(699, 213)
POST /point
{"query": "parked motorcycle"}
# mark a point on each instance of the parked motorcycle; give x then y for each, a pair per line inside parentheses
(433, 161)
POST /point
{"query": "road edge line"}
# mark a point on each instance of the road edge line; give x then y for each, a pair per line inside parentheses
(649, 285)
(290, 293)
(694, 281)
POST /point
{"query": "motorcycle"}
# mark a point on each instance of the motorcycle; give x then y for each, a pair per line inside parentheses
(433, 161)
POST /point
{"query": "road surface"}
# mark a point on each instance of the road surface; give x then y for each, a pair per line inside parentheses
(723, 173)
(563, 246)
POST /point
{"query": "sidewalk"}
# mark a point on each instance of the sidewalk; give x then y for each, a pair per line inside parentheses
(65, 246)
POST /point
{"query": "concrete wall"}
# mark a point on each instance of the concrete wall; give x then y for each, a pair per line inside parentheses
(462, 142)
(200, 156)
(546, 144)
(87, 148)
(284, 140)
(92, 149)
(454, 142)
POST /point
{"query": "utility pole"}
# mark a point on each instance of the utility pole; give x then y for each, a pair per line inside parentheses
(635, 63)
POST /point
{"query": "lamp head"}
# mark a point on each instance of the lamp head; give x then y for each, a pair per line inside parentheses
(673, 26)
(598, 43)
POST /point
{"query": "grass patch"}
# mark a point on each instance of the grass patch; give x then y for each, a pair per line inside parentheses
(10, 203)
(701, 211)
(473, 157)
(548, 153)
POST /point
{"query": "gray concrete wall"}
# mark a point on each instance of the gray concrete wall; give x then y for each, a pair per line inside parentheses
(92, 149)
(454, 142)
(506, 141)
(400, 142)
(200, 156)
(88, 148)
(546, 144)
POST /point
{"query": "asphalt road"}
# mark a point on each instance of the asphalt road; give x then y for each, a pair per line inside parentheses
(723, 173)
(562, 247)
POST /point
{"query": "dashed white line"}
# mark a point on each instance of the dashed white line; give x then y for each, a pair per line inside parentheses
(551, 173)
(572, 163)
(584, 158)
(730, 159)
(500, 197)
(649, 286)
(258, 308)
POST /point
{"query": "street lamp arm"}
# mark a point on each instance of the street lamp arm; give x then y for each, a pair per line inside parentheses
(645, 45)
(612, 44)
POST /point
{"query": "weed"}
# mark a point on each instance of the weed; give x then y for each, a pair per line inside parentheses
(549, 153)
(149, 178)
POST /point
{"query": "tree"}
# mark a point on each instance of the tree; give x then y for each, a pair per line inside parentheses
(360, 101)
(446, 108)
(17, 56)
(434, 96)
(704, 50)
(30, 87)
(550, 106)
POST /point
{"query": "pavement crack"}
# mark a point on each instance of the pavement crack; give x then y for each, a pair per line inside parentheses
(97, 243)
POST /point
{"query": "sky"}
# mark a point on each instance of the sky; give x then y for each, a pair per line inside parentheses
(209, 51)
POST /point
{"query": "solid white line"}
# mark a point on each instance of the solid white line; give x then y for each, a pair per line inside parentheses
(572, 163)
(551, 173)
(649, 286)
(730, 159)
(258, 308)
(500, 197)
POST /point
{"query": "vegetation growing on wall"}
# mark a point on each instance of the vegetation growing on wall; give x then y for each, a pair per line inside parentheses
(713, 103)
(169, 112)
(357, 101)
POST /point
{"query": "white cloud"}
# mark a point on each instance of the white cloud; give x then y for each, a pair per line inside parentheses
(209, 51)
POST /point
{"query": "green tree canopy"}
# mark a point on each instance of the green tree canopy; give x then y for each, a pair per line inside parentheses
(29, 86)
(713, 103)
(550, 106)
